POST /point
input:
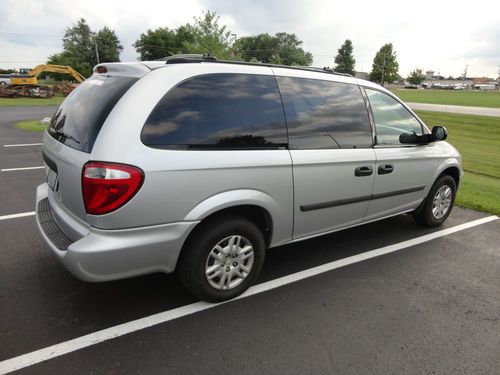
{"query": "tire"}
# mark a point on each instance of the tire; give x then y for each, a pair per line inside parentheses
(218, 273)
(439, 202)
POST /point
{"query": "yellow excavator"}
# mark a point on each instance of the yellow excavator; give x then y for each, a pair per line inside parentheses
(26, 82)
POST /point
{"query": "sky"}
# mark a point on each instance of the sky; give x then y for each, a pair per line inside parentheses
(440, 35)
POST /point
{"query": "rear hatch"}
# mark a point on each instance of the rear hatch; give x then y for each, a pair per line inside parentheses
(73, 130)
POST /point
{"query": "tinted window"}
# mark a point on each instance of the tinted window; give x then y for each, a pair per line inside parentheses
(324, 114)
(79, 119)
(218, 111)
(391, 118)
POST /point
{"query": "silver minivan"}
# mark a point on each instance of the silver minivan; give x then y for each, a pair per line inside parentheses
(199, 166)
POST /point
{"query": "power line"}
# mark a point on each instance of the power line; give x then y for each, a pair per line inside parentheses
(18, 35)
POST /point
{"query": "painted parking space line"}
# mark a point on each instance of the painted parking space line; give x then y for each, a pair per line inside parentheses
(21, 169)
(23, 145)
(94, 338)
(15, 216)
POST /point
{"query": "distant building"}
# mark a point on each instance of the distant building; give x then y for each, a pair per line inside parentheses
(429, 75)
(483, 80)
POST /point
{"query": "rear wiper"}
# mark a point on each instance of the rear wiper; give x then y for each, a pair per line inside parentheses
(64, 135)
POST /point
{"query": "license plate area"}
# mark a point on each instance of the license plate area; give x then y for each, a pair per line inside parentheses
(52, 180)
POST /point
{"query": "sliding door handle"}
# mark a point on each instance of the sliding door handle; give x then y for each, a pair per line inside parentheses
(363, 171)
(385, 169)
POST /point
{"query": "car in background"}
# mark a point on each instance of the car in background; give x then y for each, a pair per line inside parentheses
(4, 79)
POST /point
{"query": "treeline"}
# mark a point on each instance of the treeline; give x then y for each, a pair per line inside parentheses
(84, 48)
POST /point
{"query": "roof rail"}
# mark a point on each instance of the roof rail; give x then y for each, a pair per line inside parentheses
(188, 58)
(197, 58)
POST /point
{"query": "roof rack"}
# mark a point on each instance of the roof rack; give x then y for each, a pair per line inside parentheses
(188, 58)
(197, 58)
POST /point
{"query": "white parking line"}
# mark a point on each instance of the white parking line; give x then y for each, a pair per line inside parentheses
(20, 169)
(23, 145)
(15, 216)
(81, 342)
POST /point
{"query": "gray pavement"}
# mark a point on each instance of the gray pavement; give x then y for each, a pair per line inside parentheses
(480, 111)
(431, 308)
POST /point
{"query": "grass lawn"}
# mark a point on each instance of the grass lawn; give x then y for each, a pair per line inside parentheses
(55, 100)
(471, 98)
(478, 140)
(31, 125)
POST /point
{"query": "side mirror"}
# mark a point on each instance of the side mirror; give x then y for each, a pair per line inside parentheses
(408, 138)
(439, 133)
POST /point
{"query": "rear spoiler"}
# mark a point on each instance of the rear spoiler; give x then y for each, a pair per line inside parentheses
(131, 69)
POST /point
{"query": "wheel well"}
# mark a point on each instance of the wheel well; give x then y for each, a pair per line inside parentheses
(453, 172)
(257, 215)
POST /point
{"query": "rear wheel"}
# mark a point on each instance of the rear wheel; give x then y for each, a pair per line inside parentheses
(222, 258)
(439, 202)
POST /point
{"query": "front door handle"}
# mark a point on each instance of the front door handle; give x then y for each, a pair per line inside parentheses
(363, 171)
(385, 169)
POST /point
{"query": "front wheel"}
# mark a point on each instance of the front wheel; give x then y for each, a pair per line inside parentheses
(439, 202)
(222, 258)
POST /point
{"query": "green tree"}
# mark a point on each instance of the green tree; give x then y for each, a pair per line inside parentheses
(416, 77)
(262, 47)
(210, 37)
(79, 48)
(290, 52)
(344, 61)
(282, 48)
(385, 66)
(108, 45)
(161, 42)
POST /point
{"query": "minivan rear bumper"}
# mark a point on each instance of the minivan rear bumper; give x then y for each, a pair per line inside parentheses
(104, 255)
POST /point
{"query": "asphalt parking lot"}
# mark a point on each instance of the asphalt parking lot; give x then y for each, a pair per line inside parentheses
(428, 306)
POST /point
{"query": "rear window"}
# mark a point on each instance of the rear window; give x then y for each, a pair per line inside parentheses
(218, 111)
(79, 119)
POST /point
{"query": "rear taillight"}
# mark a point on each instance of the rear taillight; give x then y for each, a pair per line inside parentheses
(108, 186)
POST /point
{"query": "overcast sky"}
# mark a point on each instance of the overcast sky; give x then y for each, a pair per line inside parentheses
(440, 35)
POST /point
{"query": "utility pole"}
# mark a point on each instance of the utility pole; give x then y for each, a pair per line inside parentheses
(383, 72)
(96, 50)
(465, 75)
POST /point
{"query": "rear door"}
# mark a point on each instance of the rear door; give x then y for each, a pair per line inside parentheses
(331, 149)
(71, 135)
(403, 171)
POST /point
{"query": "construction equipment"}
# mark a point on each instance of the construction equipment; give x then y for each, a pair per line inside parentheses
(26, 83)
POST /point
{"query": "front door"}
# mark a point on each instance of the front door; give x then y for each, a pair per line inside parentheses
(402, 171)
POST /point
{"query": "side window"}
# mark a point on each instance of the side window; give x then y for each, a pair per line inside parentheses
(232, 111)
(391, 118)
(324, 114)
